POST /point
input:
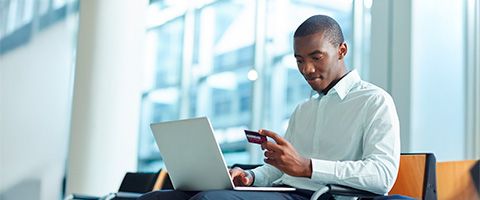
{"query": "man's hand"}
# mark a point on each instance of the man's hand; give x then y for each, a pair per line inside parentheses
(240, 177)
(283, 156)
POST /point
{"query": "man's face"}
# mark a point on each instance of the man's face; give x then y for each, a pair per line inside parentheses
(319, 61)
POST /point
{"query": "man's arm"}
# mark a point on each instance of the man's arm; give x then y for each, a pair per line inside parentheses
(283, 156)
(378, 169)
(265, 175)
(375, 172)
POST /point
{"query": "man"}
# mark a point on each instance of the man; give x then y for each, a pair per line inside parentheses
(348, 135)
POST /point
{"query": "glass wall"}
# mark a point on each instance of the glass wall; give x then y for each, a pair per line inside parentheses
(160, 100)
(285, 86)
(203, 60)
(20, 20)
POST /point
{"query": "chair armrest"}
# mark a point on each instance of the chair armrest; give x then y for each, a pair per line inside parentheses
(114, 196)
(349, 191)
(245, 166)
(330, 188)
(81, 197)
(126, 196)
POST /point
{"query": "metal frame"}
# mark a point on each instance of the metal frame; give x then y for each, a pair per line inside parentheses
(472, 82)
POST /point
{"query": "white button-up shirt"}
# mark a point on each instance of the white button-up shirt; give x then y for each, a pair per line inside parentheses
(351, 135)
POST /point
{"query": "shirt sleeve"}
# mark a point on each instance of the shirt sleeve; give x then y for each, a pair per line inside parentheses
(266, 174)
(377, 170)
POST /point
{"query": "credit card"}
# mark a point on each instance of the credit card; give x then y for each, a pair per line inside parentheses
(255, 137)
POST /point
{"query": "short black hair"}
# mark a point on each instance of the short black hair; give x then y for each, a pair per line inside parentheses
(321, 23)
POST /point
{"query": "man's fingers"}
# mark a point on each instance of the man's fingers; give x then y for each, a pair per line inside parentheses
(245, 180)
(271, 146)
(276, 163)
(263, 145)
(278, 139)
(238, 176)
(270, 161)
(269, 154)
(236, 172)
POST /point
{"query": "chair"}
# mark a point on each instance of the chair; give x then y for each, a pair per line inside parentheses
(416, 179)
(458, 179)
(133, 185)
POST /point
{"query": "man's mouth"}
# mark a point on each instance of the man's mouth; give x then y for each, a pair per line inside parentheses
(312, 78)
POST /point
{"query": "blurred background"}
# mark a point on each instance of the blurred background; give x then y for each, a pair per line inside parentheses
(81, 80)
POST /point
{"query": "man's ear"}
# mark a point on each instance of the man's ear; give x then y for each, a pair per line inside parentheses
(342, 50)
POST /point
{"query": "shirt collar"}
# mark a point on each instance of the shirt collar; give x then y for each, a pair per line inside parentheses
(346, 84)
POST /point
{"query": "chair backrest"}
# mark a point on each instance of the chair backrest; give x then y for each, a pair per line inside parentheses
(138, 182)
(143, 182)
(416, 176)
(163, 181)
(458, 179)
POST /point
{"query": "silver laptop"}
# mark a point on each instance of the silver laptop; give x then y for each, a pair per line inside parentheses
(193, 158)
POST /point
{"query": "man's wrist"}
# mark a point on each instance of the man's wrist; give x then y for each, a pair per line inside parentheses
(308, 168)
(251, 175)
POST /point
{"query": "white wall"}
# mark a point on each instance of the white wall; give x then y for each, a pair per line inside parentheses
(438, 78)
(106, 100)
(35, 91)
(418, 56)
(390, 58)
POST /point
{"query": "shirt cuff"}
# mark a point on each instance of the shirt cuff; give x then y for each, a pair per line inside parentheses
(260, 179)
(251, 175)
(323, 170)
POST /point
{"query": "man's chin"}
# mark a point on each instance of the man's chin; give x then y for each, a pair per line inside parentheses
(317, 88)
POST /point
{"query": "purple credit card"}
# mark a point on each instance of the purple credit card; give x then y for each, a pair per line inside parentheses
(255, 137)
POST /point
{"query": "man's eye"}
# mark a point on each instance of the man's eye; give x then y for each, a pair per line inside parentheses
(299, 61)
(315, 58)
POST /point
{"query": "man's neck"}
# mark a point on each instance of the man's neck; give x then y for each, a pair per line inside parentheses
(333, 83)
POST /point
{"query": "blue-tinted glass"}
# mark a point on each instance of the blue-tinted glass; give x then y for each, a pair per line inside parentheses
(222, 103)
(245, 93)
(222, 53)
(225, 53)
(232, 59)
(168, 56)
(160, 101)
(287, 88)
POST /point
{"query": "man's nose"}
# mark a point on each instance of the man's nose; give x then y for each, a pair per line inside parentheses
(308, 68)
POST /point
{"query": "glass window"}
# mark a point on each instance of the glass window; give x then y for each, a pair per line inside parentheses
(20, 20)
(4, 6)
(56, 4)
(202, 61)
(286, 87)
(12, 16)
(19, 13)
(28, 11)
(223, 54)
(43, 7)
(160, 101)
